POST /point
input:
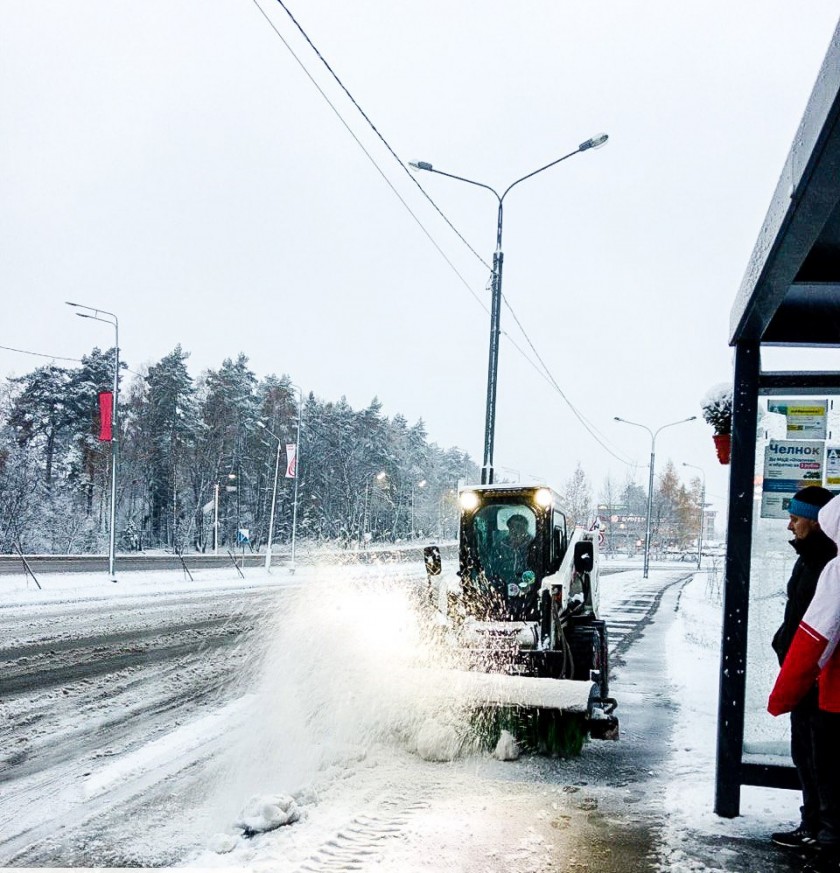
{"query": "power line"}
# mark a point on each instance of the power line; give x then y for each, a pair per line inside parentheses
(60, 358)
(40, 354)
(547, 374)
(376, 131)
(368, 154)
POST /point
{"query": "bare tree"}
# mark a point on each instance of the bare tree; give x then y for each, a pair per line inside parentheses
(578, 498)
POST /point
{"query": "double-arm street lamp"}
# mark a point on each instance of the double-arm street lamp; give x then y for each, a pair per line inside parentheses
(496, 300)
(97, 315)
(653, 435)
(297, 476)
(702, 511)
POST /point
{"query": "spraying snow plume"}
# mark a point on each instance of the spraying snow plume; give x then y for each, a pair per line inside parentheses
(348, 662)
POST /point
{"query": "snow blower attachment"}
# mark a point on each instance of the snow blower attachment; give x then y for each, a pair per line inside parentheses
(521, 616)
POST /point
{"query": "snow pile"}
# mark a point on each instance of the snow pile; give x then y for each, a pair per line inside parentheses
(267, 812)
(507, 749)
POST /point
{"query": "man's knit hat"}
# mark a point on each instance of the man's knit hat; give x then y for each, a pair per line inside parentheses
(808, 502)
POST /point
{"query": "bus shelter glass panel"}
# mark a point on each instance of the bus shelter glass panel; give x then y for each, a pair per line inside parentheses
(797, 444)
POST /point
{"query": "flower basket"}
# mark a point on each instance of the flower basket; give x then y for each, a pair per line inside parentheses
(723, 446)
(717, 411)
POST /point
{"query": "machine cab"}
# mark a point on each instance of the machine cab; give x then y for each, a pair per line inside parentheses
(512, 537)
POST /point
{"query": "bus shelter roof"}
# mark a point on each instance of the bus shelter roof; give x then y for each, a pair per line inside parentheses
(790, 294)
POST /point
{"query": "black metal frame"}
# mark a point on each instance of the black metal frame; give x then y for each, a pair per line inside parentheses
(750, 384)
(790, 296)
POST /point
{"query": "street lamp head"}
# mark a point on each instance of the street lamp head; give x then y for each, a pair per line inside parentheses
(421, 483)
(594, 142)
(260, 424)
(420, 165)
(381, 475)
(71, 304)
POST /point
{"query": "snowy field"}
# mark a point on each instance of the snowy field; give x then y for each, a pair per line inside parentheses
(287, 699)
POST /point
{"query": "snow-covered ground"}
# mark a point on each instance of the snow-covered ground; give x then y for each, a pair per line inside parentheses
(312, 717)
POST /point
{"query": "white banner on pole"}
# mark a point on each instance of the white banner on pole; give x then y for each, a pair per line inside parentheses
(291, 460)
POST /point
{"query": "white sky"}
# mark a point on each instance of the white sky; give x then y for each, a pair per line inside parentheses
(171, 162)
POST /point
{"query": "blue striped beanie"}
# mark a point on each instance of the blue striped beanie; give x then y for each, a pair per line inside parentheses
(808, 502)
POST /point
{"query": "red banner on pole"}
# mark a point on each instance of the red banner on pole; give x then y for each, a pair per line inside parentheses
(106, 416)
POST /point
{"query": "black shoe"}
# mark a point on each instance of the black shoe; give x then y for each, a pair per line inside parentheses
(801, 838)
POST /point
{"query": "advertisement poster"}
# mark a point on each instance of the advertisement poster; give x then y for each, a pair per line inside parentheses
(832, 467)
(805, 420)
(788, 466)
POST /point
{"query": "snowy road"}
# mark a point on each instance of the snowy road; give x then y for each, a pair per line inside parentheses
(136, 725)
(90, 681)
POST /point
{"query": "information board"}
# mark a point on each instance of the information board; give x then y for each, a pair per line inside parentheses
(788, 466)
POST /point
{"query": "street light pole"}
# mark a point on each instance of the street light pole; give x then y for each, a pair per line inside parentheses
(297, 476)
(97, 316)
(420, 484)
(216, 518)
(273, 494)
(496, 294)
(653, 435)
(702, 511)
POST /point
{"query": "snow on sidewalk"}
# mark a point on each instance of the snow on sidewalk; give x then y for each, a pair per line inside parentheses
(694, 662)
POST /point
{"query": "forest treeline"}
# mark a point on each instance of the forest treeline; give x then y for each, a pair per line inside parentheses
(362, 476)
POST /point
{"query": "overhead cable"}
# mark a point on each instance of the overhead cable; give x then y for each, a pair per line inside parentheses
(376, 131)
(41, 355)
(368, 154)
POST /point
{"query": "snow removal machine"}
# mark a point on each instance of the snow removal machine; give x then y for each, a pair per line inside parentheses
(521, 616)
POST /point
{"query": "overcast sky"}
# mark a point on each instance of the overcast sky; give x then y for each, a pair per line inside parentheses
(171, 161)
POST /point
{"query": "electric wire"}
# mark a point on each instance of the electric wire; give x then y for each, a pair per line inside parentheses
(60, 358)
(40, 354)
(547, 374)
(370, 157)
(376, 131)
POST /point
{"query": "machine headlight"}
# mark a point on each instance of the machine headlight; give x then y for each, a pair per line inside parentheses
(468, 500)
(543, 497)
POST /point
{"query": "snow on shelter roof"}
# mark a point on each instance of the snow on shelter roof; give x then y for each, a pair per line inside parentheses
(790, 294)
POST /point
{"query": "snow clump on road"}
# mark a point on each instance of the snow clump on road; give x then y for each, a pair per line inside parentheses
(267, 812)
(507, 749)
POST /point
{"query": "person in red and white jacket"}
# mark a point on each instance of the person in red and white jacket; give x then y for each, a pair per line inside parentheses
(814, 657)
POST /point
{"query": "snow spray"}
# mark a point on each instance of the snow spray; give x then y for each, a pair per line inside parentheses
(347, 663)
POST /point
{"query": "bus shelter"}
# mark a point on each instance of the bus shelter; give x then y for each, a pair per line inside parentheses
(785, 433)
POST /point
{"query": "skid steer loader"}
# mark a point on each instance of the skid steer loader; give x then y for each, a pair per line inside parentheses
(522, 613)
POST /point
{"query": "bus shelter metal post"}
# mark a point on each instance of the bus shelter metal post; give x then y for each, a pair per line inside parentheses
(733, 658)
